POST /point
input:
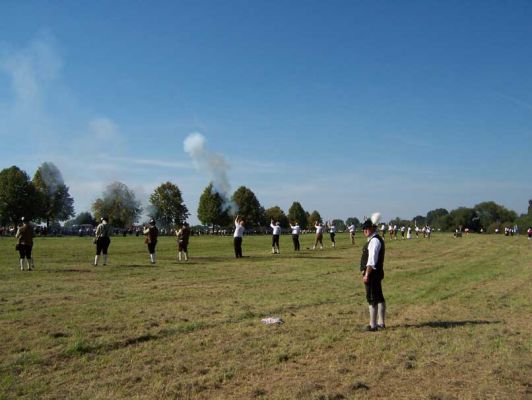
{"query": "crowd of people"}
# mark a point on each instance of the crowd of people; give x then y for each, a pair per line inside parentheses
(371, 263)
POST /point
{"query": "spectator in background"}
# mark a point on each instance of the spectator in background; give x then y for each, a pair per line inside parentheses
(276, 232)
(102, 240)
(151, 233)
(296, 230)
(24, 246)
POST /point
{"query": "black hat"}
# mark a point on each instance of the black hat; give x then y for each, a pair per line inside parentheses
(367, 224)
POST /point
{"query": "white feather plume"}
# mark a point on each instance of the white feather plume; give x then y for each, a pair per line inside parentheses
(375, 218)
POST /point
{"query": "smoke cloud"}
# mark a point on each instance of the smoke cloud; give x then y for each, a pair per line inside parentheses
(51, 176)
(206, 161)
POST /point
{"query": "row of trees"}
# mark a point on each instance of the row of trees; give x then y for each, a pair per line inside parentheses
(46, 199)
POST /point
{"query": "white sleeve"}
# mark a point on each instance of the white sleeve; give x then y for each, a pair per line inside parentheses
(374, 247)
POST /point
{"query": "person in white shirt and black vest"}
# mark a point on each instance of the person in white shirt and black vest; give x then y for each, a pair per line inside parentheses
(372, 268)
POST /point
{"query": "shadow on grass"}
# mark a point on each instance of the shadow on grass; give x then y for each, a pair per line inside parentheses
(447, 324)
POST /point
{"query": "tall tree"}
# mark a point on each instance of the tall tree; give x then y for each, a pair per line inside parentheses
(56, 204)
(277, 214)
(464, 217)
(119, 204)
(352, 221)
(297, 213)
(213, 208)
(248, 206)
(314, 217)
(489, 213)
(18, 197)
(168, 205)
(339, 224)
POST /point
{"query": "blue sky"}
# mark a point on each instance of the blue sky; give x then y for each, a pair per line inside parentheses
(348, 107)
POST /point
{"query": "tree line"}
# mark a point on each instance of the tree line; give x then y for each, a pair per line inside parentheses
(46, 199)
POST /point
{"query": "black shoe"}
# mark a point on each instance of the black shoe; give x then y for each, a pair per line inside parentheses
(370, 329)
(381, 326)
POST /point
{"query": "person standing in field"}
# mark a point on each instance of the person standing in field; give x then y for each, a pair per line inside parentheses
(352, 229)
(183, 236)
(529, 233)
(151, 233)
(319, 235)
(25, 244)
(102, 240)
(237, 236)
(409, 233)
(332, 233)
(296, 230)
(276, 232)
(372, 268)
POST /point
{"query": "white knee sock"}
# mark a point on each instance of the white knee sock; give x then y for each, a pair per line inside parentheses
(105, 259)
(372, 316)
(22, 264)
(381, 313)
(96, 258)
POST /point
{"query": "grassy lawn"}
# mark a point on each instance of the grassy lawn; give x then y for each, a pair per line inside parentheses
(459, 321)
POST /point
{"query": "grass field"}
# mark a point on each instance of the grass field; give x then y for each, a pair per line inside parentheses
(459, 321)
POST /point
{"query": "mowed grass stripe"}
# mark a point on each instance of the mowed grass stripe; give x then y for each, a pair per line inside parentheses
(192, 330)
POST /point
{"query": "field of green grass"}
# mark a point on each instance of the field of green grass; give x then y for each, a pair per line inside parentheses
(459, 321)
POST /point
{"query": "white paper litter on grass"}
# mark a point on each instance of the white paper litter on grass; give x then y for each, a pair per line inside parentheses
(272, 320)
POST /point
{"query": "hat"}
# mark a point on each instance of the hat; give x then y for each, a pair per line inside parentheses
(152, 221)
(367, 224)
(372, 222)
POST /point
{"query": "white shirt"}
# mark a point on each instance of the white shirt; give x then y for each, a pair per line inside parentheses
(332, 229)
(276, 229)
(239, 230)
(351, 228)
(374, 247)
(319, 229)
(295, 229)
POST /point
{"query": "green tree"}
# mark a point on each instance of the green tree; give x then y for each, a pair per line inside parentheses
(438, 218)
(277, 214)
(352, 221)
(314, 217)
(419, 220)
(489, 213)
(464, 217)
(212, 208)
(55, 203)
(248, 207)
(119, 204)
(340, 224)
(18, 197)
(167, 204)
(297, 213)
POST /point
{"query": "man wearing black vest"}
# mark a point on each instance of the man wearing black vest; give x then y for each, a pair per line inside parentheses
(372, 267)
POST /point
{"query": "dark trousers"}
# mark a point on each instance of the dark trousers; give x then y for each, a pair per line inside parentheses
(24, 250)
(295, 239)
(238, 247)
(151, 247)
(374, 294)
(275, 241)
(102, 244)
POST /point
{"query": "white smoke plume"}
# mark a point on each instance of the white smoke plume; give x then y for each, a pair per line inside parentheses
(51, 177)
(213, 164)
